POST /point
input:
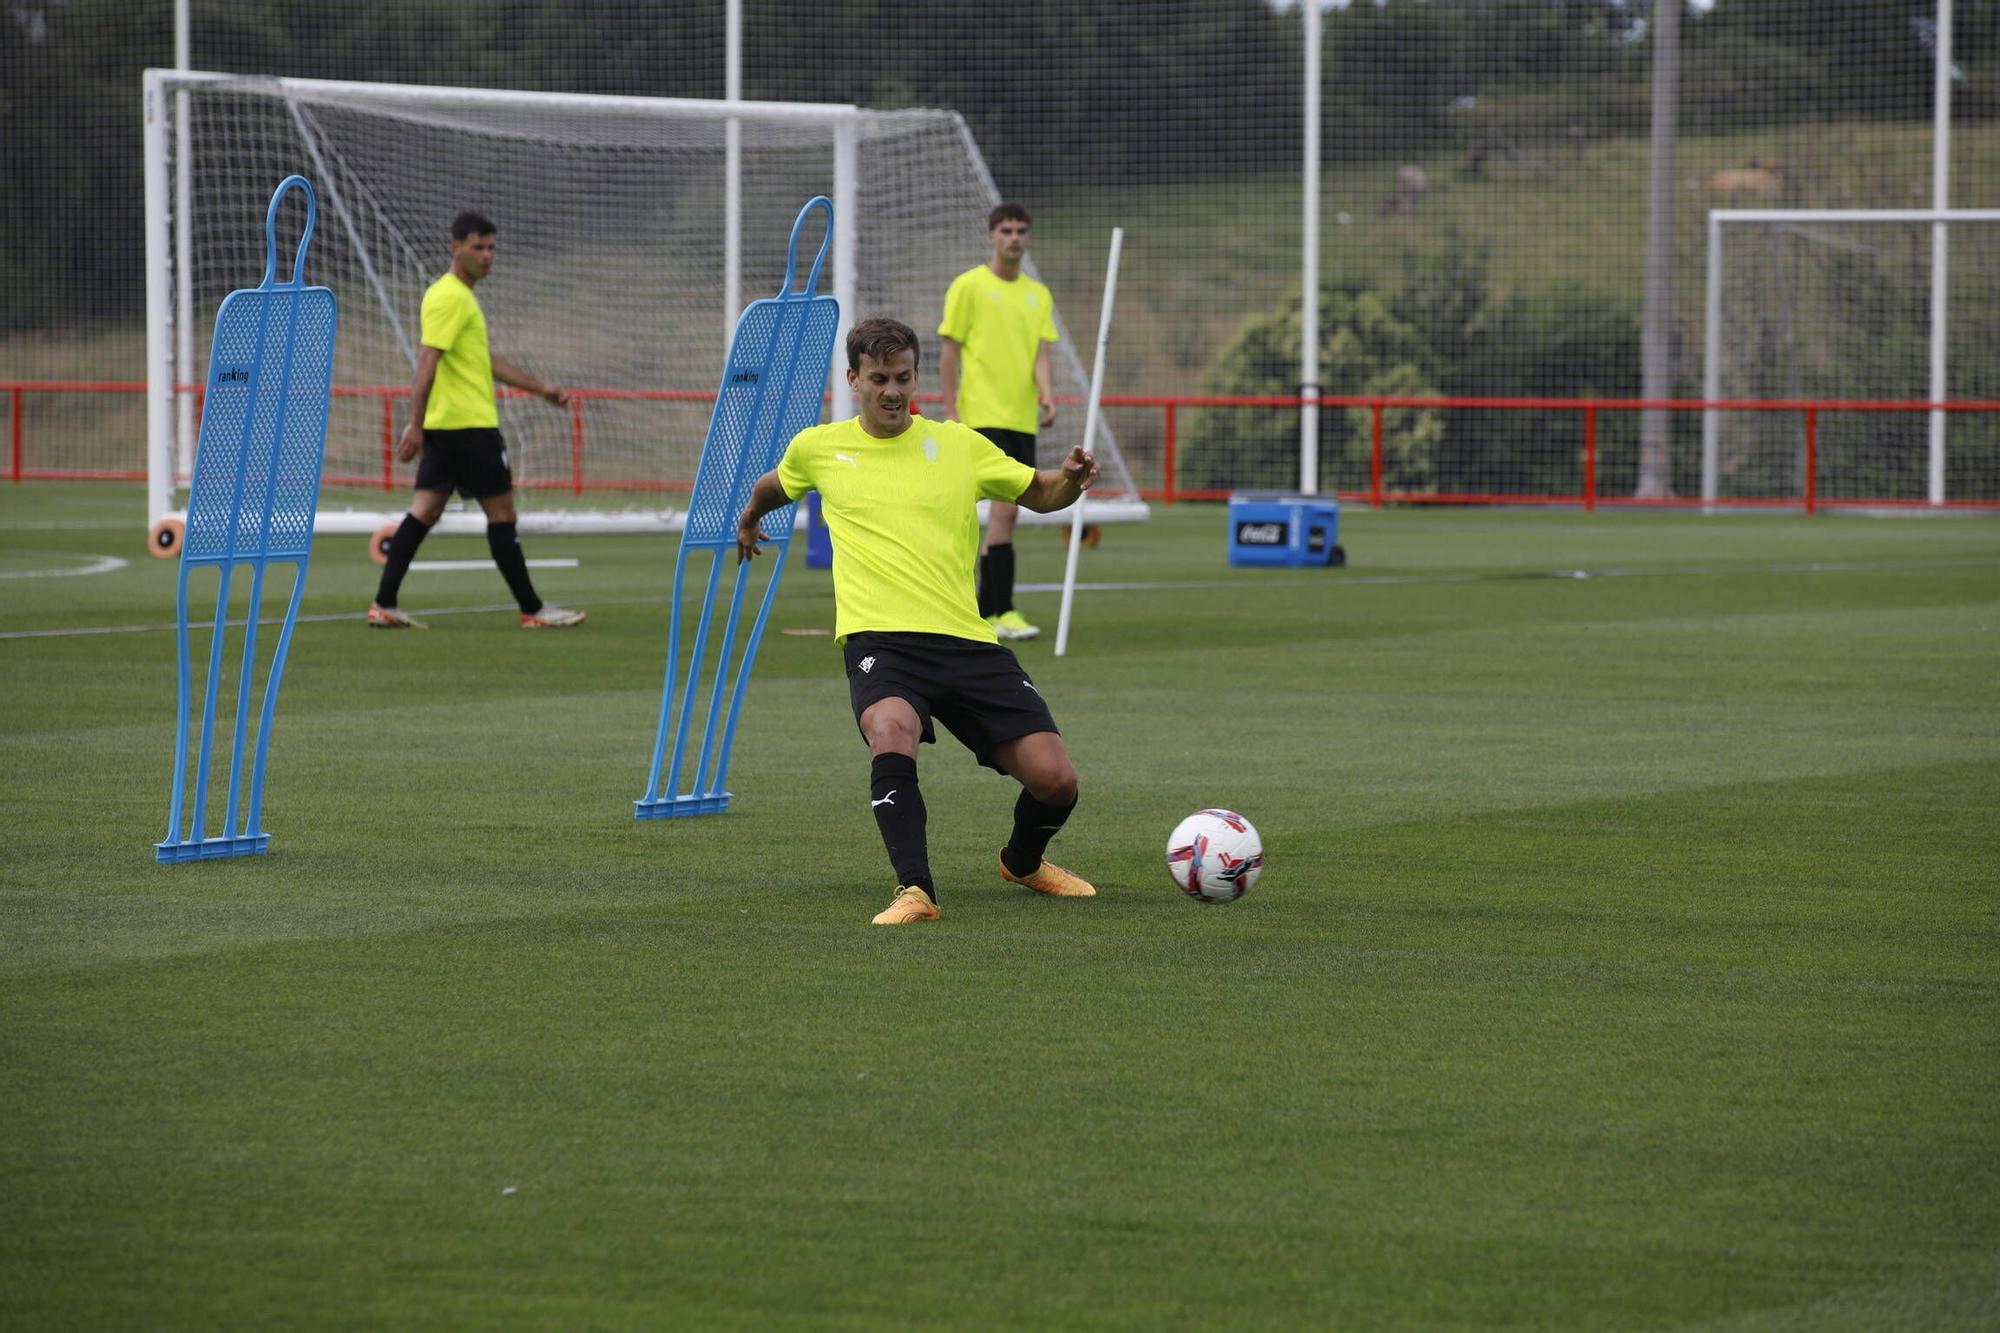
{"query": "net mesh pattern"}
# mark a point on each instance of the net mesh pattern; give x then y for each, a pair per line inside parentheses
(609, 259)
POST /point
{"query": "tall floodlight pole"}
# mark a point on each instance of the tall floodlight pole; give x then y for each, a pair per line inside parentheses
(732, 173)
(1309, 265)
(1940, 257)
(1655, 354)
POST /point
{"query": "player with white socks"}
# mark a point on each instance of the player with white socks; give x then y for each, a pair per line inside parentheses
(998, 326)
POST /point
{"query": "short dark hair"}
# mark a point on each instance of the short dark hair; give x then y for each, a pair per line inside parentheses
(472, 223)
(880, 338)
(1008, 213)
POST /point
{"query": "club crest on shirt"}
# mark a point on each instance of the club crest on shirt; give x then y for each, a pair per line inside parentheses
(930, 447)
(1033, 300)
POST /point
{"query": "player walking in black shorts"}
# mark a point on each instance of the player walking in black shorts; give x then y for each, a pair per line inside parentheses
(455, 423)
(899, 493)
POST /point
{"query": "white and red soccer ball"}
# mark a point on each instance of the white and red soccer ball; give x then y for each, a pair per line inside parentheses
(1215, 856)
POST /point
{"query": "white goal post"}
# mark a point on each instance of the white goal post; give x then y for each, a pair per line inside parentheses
(1816, 310)
(613, 218)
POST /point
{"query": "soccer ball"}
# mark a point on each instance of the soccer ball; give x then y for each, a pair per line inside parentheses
(1215, 856)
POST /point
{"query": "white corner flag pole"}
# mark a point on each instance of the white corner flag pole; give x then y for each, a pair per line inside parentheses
(1090, 422)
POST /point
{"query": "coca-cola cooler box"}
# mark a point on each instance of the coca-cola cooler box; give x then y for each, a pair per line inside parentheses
(1268, 528)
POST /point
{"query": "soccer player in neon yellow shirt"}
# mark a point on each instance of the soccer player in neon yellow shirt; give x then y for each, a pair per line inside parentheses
(898, 493)
(455, 424)
(997, 328)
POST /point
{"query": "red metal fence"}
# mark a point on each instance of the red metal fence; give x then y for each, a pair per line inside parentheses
(1589, 410)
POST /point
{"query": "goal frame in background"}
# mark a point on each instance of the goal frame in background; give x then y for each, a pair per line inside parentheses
(169, 261)
(1720, 218)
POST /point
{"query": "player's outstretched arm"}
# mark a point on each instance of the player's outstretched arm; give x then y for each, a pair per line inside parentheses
(508, 373)
(1058, 487)
(765, 495)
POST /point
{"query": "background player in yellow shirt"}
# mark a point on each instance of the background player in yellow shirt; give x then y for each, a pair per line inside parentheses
(455, 423)
(899, 494)
(997, 327)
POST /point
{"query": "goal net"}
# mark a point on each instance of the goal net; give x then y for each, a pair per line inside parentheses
(1821, 306)
(612, 276)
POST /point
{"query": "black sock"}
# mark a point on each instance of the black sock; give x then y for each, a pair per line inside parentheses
(899, 813)
(505, 543)
(402, 550)
(1034, 825)
(996, 579)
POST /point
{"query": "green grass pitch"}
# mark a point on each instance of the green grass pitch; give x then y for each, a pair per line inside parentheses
(1628, 954)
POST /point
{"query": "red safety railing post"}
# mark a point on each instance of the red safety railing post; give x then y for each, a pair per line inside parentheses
(388, 441)
(1375, 456)
(1168, 445)
(576, 442)
(1590, 458)
(1812, 459)
(14, 432)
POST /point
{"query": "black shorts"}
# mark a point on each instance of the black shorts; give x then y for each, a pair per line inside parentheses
(977, 690)
(1018, 445)
(471, 461)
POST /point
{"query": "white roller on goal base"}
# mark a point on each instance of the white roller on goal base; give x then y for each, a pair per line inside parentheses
(613, 254)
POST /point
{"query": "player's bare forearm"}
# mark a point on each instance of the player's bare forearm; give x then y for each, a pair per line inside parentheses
(412, 442)
(765, 495)
(1058, 487)
(948, 377)
(420, 395)
(1049, 491)
(1045, 387)
(512, 375)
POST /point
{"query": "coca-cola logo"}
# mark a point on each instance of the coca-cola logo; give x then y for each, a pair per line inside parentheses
(1260, 534)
